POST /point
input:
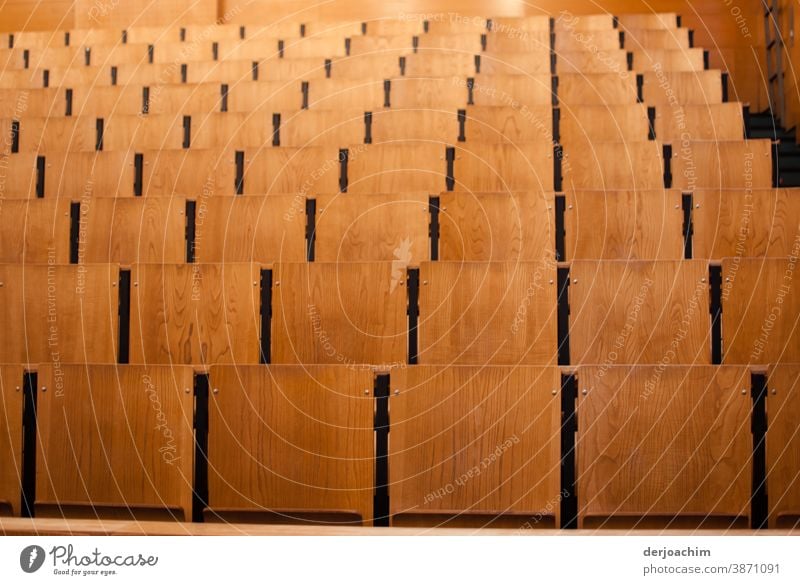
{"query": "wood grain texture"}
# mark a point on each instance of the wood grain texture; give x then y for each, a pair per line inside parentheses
(707, 122)
(197, 314)
(612, 60)
(526, 166)
(745, 223)
(132, 230)
(602, 40)
(662, 88)
(79, 174)
(470, 440)
(331, 94)
(291, 439)
(116, 436)
(783, 445)
(583, 125)
(668, 60)
(302, 171)
(189, 172)
(349, 313)
(306, 128)
(672, 39)
(761, 309)
(614, 165)
(373, 228)
(522, 63)
(596, 89)
(663, 441)
(11, 400)
(261, 230)
(619, 225)
(512, 90)
(488, 313)
(409, 124)
(722, 165)
(438, 63)
(428, 92)
(639, 312)
(62, 313)
(391, 168)
(497, 227)
(34, 230)
(508, 124)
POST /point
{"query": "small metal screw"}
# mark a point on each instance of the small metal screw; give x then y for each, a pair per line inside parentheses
(551, 281)
(575, 281)
(186, 390)
(216, 390)
(396, 391)
(366, 392)
(44, 388)
(554, 392)
(697, 206)
(277, 283)
(744, 391)
(702, 280)
(584, 392)
(774, 391)
(424, 282)
(676, 207)
(135, 284)
(255, 283)
(18, 389)
(569, 207)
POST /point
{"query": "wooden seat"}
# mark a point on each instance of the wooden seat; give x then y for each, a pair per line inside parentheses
(518, 41)
(526, 166)
(745, 223)
(34, 231)
(687, 87)
(760, 308)
(432, 63)
(582, 126)
(521, 63)
(259, 230)
(664, 446)
(508, 124)
(366, 227)
(644, 21)
(132, 230)
(395, 167)
(668, 60)
(451, 424)
(348, 313)
(330, 94)
(362, 67)
(11, 400)
(431, 125)
(672, 39)
(197, 314)
(782, 442)
(719, 122)
(179, 172)
(639, 312)
(291, 444)
(582, 61)
(512, 90)
(424, 92)
(67, 313)
(597, 40)
(614, 165)
(496, 227)
(619, 225)
(461, 42)
(51, 135)
(566, 22)
(301, 171)
(722, 165)
(488, 313)
(115, 441)
(596, 89)
(303, 128)
(373, 45)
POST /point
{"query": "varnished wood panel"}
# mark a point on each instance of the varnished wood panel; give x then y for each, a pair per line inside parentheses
(709, 122)
(526, 166)
(598, 40)
(668, 60)
(189, 172)
(584, 125)
(639, 312)
(305, 128)
(474, 440)
(11, 399)
(414, 124)
(511, 90)
(695, 87)
(63, 313)
(613, 60)
(195, 313)
(116, 436)
(596, 89)
(761, 309)
(301, 171)
(783, 444)
(348, 313)
(663, 441)
(518, 63)
(488, 313)
(619, 225)
(507, 124)
(613, 165)
(34, 231)
(428, 92)
(368, 227)
(499, 227)
(291, 440)
(395, 167)
(722, 165)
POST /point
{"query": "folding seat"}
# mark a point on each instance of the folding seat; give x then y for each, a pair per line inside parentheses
(656, 21)
(194, 33)
(32, 102)
(719, 122)
(596, 89)
(620, 225)
(525, 166)
(744, 223)
(363, 67)
(496, 227)
(231, 72)
(761, 309)
(580, 61)
(117, 100)
(451, 424)
(339, 313)
(322, 47)
(534, 62)
(159, 34)
(385, 45)
(128, 74)
(11, 399)
(669, 60)
(395, 167)
(424, 124)
(687, 87)
(132, 230)
(331, 94)
(594, 41)
(566, 22)
(511, 26)
(722, 165)
(639, 312)
(260, 230)
(440, 63)
(58, 57)
(406, 25)
(783, 445)
(138, 133)
(458, 43)
(508, 124)
(115, 441)
(512, 90)
(259, 95)
(51, 135)
(56, 312)
(451, 24)
(614, 165)
(584, 125)
(302, 128)
(198, 314)
(367, 227)
(19, 175)
(34, 231)
(302, 171)
(488, 313)
(291, 445)
(671, 39)
(518, 41)
(441, 93)
(79, 174)
(188, 172)
(317, 28)
(664, 446)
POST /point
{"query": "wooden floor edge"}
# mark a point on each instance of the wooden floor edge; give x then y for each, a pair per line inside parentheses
(55, 527)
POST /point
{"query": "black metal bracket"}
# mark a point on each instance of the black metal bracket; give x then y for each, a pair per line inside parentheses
(138, 174)
(215, 51)
(68, 105)
(483, 42)
(477, 61)
(687, 204)
(280, 49)
(414, 43)
(691, 38)
(239, 182)
(706, 60)
(629, 59)
(715, 308)
(401, 63)
(347, 44)
(99, 134)
(304, 90)
(622, 39)
(412, 278)
(46, 78)
(615, 22)
(776, 165)
(41, 165)
(187, 131)
(363, 28)
(569, 428)
(387, 93)
(200, 490)
(563, 316)
(344, 158)
(191, 230)
(311, 229)
(266, 317)
(651, 123)
(328, 65)
(26, 58)
(254, 70)
(223, 91)
(123, 353)
(114, 75)
(11, 41)
(667, 152)
(560, 231)
(367, 127)
(489, 24)
(759, 503)
(470, 91)
(74, 231)
(87, 56)
(725, 79)
(746, 119)
(145, 100)
(426, 26)
(150, 54)
(183, 35)
(558, 170)
(276, 129)
(554, 90)
(30, 384)
(380, 511)
(15, 127)
(462, 120)
(242, 32)
(450, 158)
(639, 88)
(433, 227)
(302, 30)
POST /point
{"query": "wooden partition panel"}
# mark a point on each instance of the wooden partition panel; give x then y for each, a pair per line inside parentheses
(663, 88)
(11, 401)
(596, 89)
(668, 60)
(197, 314)
(348, 313)
(613, 165)
(395, 167)
(34, 231)
(516, 63)
(761, 309)
(783, 445)
(582, 61)
(431, 125)
(302, 171)
(722, 165)
(67, 313)
(189, 172)
(497, 227)
(475, 446)
(115, 439)
(525, 166)
(490, 124)
(292, 442)
(488, 313)
(583, 125)
(639, 312)
(720, 122)
(664, 445)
